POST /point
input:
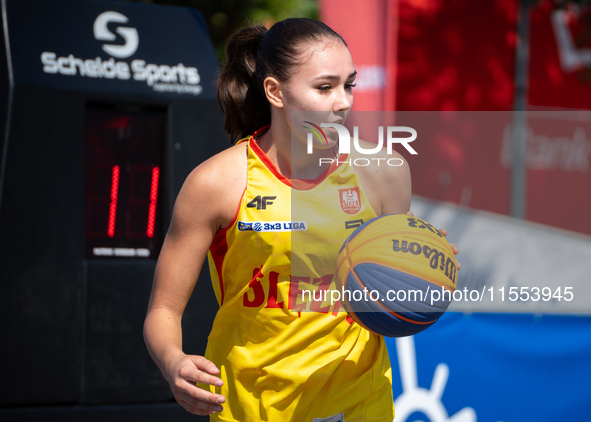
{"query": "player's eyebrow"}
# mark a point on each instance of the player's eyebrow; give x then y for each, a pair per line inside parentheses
(335, 77)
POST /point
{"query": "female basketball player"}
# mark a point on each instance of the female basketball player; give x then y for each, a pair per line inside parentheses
(271, 354)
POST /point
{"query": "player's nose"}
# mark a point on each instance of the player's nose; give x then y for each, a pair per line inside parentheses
(343, 101)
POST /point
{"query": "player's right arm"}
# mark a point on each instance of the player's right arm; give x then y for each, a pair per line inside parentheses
(207, 201)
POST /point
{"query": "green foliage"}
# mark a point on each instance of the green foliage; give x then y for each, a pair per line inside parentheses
(224, 17)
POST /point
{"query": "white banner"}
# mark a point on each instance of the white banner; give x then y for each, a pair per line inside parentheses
(513, 266)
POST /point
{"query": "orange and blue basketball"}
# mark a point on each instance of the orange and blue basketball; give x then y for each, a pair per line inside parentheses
(397, 275)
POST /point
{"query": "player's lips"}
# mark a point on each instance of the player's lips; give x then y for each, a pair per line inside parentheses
(332, 130)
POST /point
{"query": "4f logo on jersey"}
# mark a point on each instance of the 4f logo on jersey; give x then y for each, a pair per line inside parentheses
(261, 202)
(350, 202)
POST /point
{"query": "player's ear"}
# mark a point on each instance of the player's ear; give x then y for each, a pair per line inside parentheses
(273, 92)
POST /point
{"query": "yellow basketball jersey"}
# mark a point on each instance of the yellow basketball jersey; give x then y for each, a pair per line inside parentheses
(282, 356)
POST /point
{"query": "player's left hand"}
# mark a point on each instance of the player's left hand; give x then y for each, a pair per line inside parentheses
(454, 248)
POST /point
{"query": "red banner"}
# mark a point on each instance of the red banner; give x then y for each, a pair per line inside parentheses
(369, 29)
(461, 56)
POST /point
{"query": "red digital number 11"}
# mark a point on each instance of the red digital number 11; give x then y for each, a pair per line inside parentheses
(151, 208)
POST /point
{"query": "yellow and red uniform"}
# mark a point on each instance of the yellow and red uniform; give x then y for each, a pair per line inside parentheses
(283, 358)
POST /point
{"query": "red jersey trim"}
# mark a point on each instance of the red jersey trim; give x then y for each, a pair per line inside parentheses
(224, 229)
(219, 249)
(254, 145)
(299, 184)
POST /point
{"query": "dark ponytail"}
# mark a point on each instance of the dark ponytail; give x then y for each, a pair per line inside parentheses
(254, 53)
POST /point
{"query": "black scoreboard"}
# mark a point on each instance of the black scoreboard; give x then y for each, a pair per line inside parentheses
(124, 157)
(105, 108)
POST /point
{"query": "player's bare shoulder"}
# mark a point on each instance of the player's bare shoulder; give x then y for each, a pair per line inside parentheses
(384, 177)
(223, 169)
(215, 186)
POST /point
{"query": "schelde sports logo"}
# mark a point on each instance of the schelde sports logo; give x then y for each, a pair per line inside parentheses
(345, 143)
(179, 79)
(101, 32)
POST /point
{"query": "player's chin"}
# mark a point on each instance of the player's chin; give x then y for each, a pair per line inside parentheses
(332, 137)
(326, 148)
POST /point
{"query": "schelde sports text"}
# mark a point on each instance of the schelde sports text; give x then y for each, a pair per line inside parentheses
(110, 69)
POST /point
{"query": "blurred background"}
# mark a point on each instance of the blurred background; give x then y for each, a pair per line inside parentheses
(108, 105)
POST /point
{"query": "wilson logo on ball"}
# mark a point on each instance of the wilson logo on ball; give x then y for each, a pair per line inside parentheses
(436, 258)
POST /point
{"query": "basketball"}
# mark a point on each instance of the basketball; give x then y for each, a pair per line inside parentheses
(396, 275)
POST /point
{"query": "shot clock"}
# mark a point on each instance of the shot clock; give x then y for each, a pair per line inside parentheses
(105, 109)
(124, 171)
